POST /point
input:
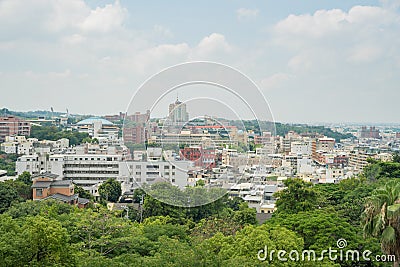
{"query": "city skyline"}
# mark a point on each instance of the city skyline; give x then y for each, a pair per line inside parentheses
(314, 62)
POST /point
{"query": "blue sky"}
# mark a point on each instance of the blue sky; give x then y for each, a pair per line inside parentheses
(315, 61)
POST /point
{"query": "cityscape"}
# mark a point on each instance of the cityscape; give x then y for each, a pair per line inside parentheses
(185, 135)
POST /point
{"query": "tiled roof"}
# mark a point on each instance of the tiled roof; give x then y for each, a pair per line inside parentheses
(62, 197)
(83, 201)
(45, 175)
(41, 184)
(62, 183)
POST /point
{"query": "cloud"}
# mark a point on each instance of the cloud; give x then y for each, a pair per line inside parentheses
(48, 16)
(330, 37)
(104, 19)
(274, 81)
(245, 13)
(213, 45)
(162, 31)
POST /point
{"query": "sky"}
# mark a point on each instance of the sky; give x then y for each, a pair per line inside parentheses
(314, 61)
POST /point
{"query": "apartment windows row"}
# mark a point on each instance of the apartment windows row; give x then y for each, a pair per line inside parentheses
(91, 166)
(91, 172)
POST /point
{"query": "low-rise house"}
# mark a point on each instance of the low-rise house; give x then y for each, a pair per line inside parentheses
(46, 186)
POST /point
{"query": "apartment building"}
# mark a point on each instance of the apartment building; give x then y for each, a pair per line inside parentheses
(11, 125)
(98, 128)
(85, 170)
(134, 173)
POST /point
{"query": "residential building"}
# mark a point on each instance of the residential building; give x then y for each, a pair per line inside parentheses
(11, 126)
(48, 186)
(177, 113)
(372, 132)
(98, 128)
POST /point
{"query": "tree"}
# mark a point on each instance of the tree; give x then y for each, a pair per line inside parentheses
(297, 196)
(48, 241)
(82, 192)
(8, 194)
(110, 190)
(245, 215)
(25, 177)
(382, 217)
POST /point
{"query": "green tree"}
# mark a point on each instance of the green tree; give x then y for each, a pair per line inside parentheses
(47, 242)
(245, 215)
(296, 197)
(110, 190)
(82, 192)
(25, 177)
(382, 217)
(8, 195)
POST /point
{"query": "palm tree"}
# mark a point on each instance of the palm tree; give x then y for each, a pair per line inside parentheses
(382, 218)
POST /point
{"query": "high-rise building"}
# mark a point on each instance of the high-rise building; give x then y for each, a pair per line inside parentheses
(372, 132)
(178, 114)
(135, 130)
(12, 126)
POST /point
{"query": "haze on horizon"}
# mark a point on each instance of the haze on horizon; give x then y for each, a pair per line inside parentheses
(315, 61)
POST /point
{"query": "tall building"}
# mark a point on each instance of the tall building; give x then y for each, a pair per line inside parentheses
(178, 114)
(98, 128)
(11, 126)
(135, 130)
(372, 132)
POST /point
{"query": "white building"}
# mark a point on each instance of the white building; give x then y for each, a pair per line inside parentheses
(303, 148)
(85, 170)
(136, 173)
(98, 128)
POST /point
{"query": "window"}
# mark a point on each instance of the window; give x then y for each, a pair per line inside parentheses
(39, 192)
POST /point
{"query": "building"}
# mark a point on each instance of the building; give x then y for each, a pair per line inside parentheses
(321, 145)
(205, 158)
(177, 113)
(134, 134)
(85, 170)
(372, 132)
(98, 128)
(11, 126)
(47, 186)
(302, 148)
(188, 138)
(135, 130)
(34, 164)
(358, 159)
(134, 174)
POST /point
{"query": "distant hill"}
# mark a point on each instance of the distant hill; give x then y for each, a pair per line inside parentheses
(282, 128)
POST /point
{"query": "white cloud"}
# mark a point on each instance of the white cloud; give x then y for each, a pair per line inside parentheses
(365, 53)
(330, 37)
(105, 19)
(274, 81)
(244, 13)
(162, 31)
(213, 45)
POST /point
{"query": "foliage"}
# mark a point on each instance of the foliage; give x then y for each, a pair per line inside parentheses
(8, 195)
(25, 178)
(382, 217)
(110, 190)
(296, 197)
(7, 163)
(53, 133)
(82, 192)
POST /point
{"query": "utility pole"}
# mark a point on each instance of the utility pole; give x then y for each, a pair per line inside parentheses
(141, 207)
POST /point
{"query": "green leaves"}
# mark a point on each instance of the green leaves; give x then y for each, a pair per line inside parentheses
(296, 197)
(394, 211)
(110, 190)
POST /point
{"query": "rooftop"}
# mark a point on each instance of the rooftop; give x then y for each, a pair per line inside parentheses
(93, 120)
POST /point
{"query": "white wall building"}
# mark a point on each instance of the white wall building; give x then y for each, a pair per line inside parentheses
(137, 173)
